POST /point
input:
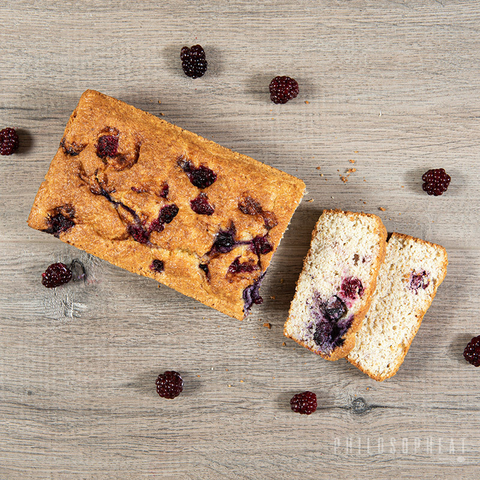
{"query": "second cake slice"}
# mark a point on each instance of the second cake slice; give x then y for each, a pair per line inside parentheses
(338, 279)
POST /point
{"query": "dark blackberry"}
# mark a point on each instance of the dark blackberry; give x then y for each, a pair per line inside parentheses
(237, 267)
(9, 141)
(225, 240)
(335, 309)
(107, 146)
(201, 205)
(194, 62)
(351, 288)
(164, 191)
(59, 223)
(261, 245)
(436, 181)
(304, 403)
(55, 275)
(201, 177)
(472, 352)
(204, 268)
(168, 213)
(157, 266)
(138, 233)
(169, 384)
(283, 89)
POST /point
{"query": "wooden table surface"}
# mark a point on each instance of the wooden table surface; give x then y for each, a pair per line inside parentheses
(390, 88)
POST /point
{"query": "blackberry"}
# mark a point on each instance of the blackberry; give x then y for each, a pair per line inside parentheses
(55, 275)
(261, 245)
(201, 205)
(139, 234)
(283, 89)
(168, 213)
(59, 223)
(237, 267)
(107, 146)
(9, 141)
(472, 352)
(304, 403)
(169, 384)
(201, 177)
(436, 181)
(194, 62)
(351, 288)
(225, 240)
(157, 266)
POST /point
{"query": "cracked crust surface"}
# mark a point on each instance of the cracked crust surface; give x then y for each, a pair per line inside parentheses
(115, 202)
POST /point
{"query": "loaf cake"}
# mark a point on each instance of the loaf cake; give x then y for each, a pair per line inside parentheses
(163, 202)
(407, 283)
(337, 282)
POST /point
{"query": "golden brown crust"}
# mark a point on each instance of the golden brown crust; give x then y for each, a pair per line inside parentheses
(420, 313)
(113, 197)
(349, 338)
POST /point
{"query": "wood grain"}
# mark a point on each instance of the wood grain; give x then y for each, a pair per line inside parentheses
(392, 86)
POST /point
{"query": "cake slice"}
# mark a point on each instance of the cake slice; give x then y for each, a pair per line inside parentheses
(163, 202)
(407, 283)
(337, 282)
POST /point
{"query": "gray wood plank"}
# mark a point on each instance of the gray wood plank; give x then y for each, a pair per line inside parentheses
(390, 86)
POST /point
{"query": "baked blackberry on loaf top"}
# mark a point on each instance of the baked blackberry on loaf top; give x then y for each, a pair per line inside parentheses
(165, 203)
(337, 282)
(407, 283)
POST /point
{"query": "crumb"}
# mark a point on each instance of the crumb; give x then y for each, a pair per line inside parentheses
(351, 170)
(162, 114)
(352, 161)
(282, 280)
(402, 186)
(368, 388)
(226, 369)
(198, 375)
(241, 381)
(307, 102)
(267, 325)
(364, 180)
(399, 213)
(229, 386)
(284, 344)
(364, 203)
(159, 101)
(310, 201)
(382, 209)
(319, 168)
(272, 297)
(321, 174)
(343, 179)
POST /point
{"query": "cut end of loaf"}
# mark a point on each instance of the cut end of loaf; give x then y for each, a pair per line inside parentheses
(337, 281)
(407, 283)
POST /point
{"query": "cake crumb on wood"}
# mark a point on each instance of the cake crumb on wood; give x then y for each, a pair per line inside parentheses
(267, 325)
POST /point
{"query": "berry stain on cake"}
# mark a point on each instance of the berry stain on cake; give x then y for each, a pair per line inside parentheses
(419, 280)
(107, 146)
(330, 322)
(61, 220)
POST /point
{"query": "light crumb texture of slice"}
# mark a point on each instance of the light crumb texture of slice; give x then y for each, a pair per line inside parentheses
(337, 281)
(407, 284)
